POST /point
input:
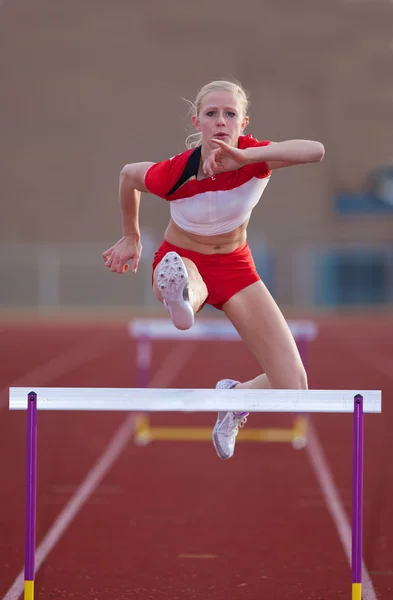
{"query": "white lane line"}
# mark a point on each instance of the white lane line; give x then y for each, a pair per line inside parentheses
(173, 364)
(334, 504)
(169, 369)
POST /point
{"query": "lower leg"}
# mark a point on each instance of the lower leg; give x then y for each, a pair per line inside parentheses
(295, 380)
(262, 327)
(261, 382)
(197, 287)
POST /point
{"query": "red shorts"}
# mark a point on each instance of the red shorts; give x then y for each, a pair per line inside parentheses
(223, 274)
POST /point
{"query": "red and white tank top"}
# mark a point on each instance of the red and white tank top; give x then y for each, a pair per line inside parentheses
(213, 205)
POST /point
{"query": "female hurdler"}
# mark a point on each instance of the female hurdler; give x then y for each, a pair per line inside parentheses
(204, 259)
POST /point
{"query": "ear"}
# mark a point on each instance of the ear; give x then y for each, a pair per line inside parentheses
(245, 122)
(195, 122)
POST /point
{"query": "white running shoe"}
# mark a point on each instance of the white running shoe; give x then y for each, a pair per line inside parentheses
(174, 287)
(227, 425)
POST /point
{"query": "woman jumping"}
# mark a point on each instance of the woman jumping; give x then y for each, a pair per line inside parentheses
(204, 258)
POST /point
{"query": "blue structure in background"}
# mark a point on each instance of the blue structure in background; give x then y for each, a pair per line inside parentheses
(265, 264)
(354, 277)
(359, 276)
(362, 203)
(378, 198)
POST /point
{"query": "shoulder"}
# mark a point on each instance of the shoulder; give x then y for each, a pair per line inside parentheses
(162, 177)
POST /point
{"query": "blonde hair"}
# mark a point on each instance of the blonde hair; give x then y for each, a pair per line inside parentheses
(195, 139)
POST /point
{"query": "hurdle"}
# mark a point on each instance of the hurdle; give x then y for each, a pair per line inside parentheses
(356, 402)
(145, 331)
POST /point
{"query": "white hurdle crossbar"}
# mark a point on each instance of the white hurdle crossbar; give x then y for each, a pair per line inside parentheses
(195, 400)
(311, 401)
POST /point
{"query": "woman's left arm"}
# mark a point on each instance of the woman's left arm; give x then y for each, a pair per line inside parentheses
(285, 154)
(275, 155)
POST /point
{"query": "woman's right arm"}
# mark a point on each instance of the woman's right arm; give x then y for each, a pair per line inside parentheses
(132, 183)
(129, 247)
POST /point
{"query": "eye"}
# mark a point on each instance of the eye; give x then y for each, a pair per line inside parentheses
(231, 114)
(210, 113)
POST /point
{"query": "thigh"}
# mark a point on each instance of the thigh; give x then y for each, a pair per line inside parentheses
(262, 326)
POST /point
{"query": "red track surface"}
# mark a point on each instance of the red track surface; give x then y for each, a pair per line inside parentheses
(260, 518)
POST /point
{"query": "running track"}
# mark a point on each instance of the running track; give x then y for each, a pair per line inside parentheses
(170, 520)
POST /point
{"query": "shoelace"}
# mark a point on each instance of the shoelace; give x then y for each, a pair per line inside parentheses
(173, 275)
(242, 420)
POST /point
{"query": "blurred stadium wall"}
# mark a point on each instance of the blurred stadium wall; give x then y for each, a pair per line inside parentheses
(89, 86)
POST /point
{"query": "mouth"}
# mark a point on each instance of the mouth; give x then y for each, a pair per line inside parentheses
(220, 135)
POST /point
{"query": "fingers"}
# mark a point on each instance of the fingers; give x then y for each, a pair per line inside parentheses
(106, 255)
(119, 265)
(210, 164)
(208, 169)
(107, 259)
(117, 257)
(220, 143)
(135, 263)
(114, 263)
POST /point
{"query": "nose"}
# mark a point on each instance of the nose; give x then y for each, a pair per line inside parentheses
(221, 119)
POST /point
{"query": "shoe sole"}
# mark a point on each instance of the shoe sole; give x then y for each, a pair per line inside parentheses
(172, 282)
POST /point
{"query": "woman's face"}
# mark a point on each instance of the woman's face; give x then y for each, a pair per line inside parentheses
(220, 116)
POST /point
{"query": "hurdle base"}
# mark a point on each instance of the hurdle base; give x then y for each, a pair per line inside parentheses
(356, 591)
(29, 590)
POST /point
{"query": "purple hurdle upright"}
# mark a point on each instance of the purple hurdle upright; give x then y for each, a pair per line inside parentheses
(357, 498)
(31, 494)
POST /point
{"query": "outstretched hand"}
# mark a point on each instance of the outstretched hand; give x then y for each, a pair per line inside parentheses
(127, 248)
(224, 158)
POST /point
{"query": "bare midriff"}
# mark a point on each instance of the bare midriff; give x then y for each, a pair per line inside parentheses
(223, 243)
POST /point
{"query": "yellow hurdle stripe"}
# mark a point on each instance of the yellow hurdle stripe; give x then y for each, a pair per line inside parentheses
(356, 591)
(29, 590)
(205, 433)
(145, 434)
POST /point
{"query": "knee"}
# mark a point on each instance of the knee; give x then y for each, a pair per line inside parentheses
(294, 378)
(298, 378)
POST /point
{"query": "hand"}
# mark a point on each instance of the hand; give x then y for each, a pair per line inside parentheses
(224, 158)
(127, 248)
